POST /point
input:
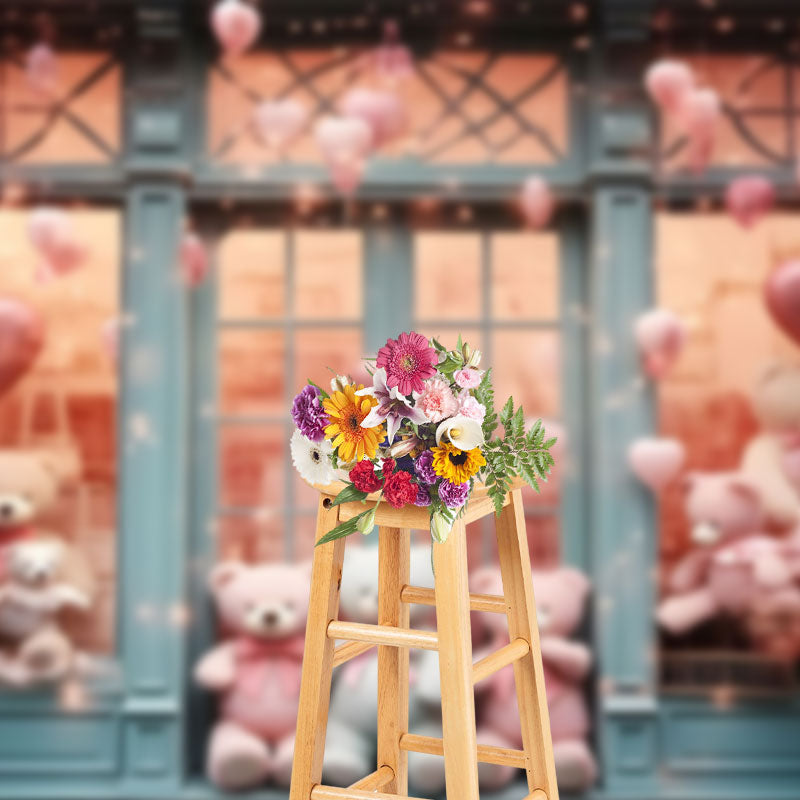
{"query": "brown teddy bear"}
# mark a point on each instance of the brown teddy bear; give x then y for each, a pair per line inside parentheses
(41, 575)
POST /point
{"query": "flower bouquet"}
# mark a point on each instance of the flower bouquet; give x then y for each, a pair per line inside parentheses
(421, 434)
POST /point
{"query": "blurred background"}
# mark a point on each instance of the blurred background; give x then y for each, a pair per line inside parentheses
(205, 204)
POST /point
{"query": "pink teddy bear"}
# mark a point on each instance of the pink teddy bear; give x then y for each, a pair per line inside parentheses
(732, 561)
(560, 598)
(256, 670)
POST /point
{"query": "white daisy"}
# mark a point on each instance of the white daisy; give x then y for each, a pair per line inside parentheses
(312, 459)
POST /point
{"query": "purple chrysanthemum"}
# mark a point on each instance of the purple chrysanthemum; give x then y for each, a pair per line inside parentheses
(423, 466)
(454, 495)
(423, 498)
(308, 413)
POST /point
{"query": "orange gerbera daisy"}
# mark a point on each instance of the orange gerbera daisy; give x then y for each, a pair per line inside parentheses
(346, 412)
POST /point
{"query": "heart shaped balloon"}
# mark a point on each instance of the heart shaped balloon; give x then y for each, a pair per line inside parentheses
(698, 116)
(668, 82)
(345, 143)
(782, 296)
(749, 198)
(193, 259)
(51, 233)
(656, 461)
(236, 26)
(21, 340)
(279, 122)
(536, 202)
(660, 335)
(382, 110)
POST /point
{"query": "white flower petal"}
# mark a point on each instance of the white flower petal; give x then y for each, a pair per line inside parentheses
(312, 459)
(373, 419)
(463, 432)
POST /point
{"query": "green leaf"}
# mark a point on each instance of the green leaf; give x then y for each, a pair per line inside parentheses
(348, 495)
(322, 392)
(343, 529)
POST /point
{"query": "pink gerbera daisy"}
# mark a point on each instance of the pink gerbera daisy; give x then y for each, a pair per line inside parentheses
(408, 360)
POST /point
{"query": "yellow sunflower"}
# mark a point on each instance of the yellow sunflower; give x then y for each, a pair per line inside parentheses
(346, 412)
(456, 466)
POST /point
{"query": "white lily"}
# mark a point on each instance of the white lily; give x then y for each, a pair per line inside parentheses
(463, 432)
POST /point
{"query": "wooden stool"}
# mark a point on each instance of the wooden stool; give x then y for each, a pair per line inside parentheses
(393, 637)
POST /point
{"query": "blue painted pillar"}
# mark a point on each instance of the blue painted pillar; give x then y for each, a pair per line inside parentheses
(152, 425)
(623, 527)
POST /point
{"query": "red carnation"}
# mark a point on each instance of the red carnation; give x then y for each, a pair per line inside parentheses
(364, 478)
(399, 489)
(388, 467)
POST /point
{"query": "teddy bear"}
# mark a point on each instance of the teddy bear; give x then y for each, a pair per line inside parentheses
(350, 748)
(731, 559)
(256, 669)
(560, 597)
(772, 459)
(33, 647)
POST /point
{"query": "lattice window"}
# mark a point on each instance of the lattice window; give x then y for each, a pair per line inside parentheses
(78, 121)
(465, 107)
(760, 96)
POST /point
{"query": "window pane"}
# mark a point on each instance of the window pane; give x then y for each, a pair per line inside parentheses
(252, 274)
(328, 275)
(527, 365)
(318, 349)
(252, 465)
(525, 275)
(90, 89)
(447, 276)
(252, 372)
(60, 415)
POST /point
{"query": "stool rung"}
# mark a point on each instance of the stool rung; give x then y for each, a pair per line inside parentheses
(477, 602)
(375, 781)
(383, 634)
(489, 754)
(320, 792)
(344, 652)
(506, 655)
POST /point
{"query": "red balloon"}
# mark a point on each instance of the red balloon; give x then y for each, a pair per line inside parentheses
(782, 296)
(21, 340)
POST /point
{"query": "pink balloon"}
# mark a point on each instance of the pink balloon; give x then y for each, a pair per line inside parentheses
(661, 336)
(193, 260)
(782, 296)
(41, 68)
(21, 340)
(382, 110)
(392, 59)
(537, 202)
(749, 198)
(656, 462)
(345, 143)
(279, 122)
(668, 82)
(236, 26)
(51, 233)
(698, 115)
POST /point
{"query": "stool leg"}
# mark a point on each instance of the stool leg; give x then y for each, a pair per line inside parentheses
(512, 547)
(455, 666)
(315, 684)
(393, 574)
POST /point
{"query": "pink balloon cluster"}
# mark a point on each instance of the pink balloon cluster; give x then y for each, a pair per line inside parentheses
(51, 233)
(345, 143)
(660, 335)
(236, 26)
(536, 202)
(749, 198)
(696, 111)
(656, 461)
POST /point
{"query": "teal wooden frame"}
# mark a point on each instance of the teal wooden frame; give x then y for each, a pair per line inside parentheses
(138, 741)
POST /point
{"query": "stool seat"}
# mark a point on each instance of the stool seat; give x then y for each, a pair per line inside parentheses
(452, 640)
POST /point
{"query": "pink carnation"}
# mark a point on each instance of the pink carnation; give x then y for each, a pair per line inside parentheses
(469, 407)
(437, 400)
(468, 378)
